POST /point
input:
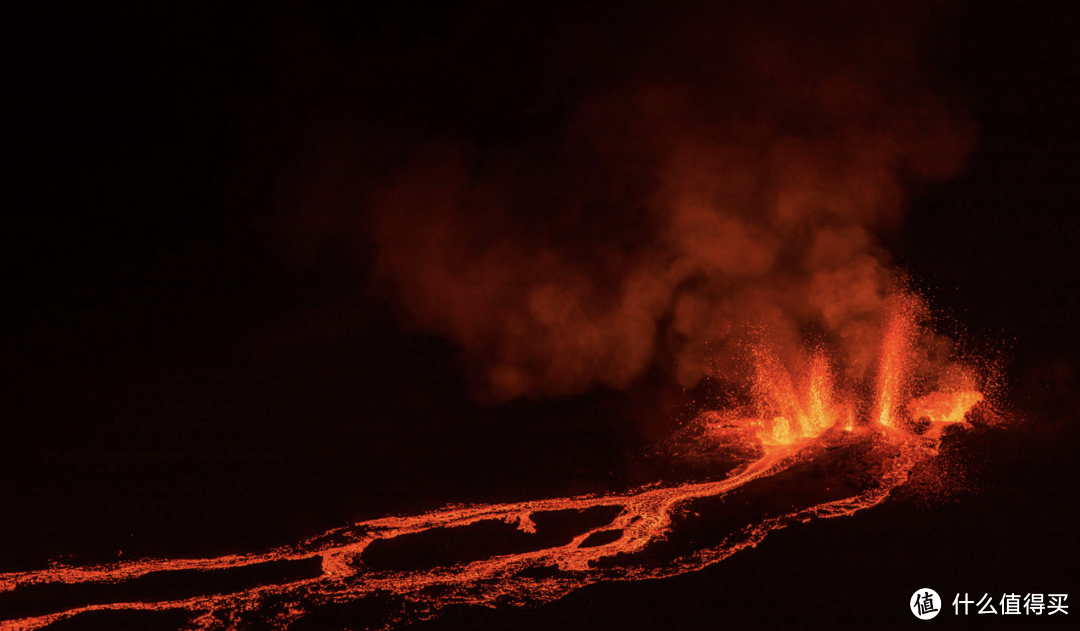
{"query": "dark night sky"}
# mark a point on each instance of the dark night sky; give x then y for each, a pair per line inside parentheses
(191, 369)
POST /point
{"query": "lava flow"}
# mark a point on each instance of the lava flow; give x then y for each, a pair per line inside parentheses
(822, 446)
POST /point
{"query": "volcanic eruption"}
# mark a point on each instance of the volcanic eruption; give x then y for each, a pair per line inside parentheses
(712, 212)
(842, 453)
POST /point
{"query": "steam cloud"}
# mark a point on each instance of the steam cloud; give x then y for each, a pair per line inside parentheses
(734, 177)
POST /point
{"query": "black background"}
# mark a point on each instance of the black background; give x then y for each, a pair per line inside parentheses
(178, 379)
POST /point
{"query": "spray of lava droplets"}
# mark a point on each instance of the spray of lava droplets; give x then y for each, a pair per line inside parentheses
(797, 417)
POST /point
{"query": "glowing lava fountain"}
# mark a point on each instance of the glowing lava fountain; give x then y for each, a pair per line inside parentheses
(805, 429)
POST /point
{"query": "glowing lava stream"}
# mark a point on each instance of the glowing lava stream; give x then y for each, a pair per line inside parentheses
(646, 517)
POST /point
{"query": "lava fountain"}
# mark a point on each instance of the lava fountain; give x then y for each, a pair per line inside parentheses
(844, 444)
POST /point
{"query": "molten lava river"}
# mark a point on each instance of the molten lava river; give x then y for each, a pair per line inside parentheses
(811, 447)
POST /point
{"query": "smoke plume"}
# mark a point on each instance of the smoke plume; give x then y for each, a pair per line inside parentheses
(733, 173)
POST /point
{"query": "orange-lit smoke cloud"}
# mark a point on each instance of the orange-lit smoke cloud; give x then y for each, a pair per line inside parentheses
(735, 176)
